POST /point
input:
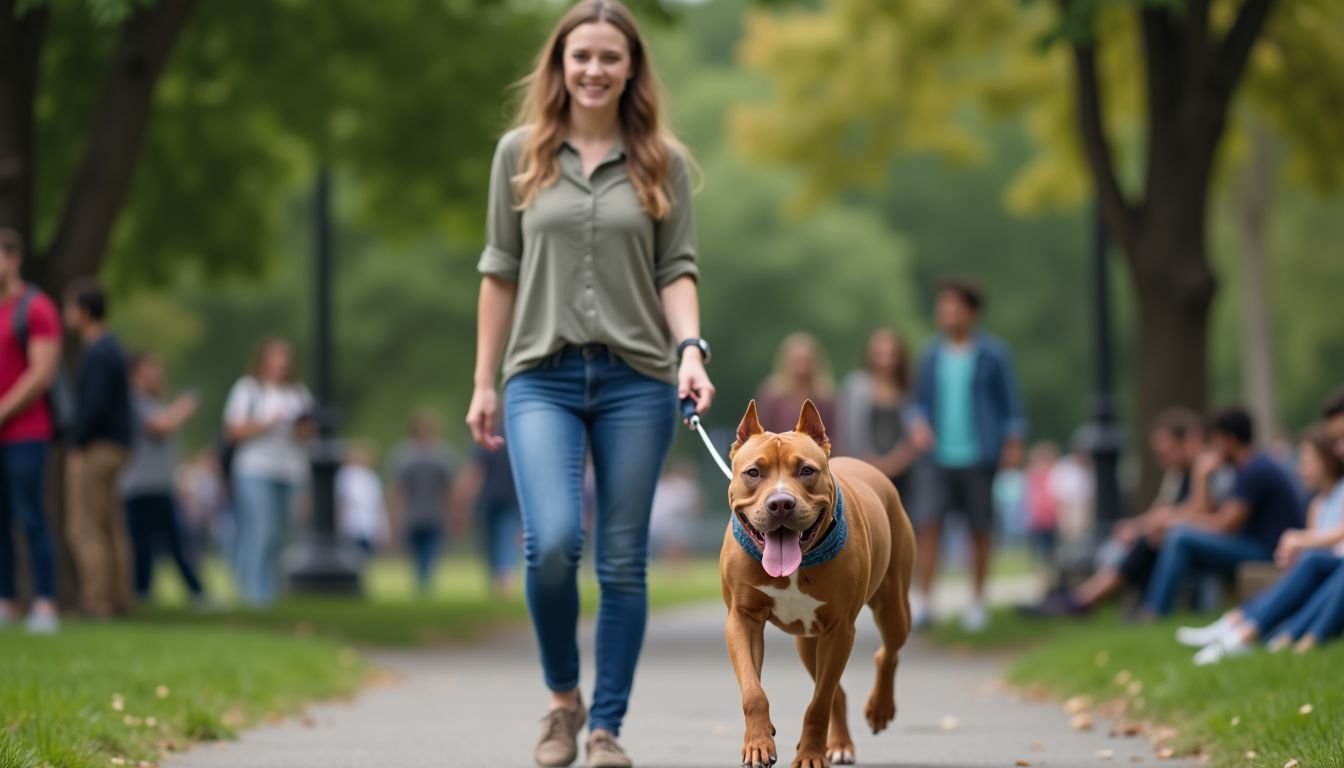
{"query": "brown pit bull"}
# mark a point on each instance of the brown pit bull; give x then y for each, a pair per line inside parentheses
(789, 558)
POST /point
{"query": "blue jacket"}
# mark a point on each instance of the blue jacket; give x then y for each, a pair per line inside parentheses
(998, 410)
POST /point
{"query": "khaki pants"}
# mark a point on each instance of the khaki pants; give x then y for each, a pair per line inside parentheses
(97, 530)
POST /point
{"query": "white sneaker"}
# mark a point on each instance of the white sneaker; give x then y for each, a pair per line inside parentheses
(1200, 637)
(975, 619)
(43, 623)
(921, 612)
(1221, 649)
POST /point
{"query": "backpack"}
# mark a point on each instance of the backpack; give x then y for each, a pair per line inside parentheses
(60, 395)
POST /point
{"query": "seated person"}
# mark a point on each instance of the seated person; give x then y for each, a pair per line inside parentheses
(1314, 555)
(1127, 556)
(1244, 527)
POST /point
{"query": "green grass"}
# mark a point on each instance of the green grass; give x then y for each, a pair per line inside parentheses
(459, 607)
(96, 692)
(1225, 711)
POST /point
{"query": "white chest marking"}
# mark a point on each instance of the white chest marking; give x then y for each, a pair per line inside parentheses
(792, 604)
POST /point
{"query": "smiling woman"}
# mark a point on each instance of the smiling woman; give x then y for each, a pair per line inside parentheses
(589, 273)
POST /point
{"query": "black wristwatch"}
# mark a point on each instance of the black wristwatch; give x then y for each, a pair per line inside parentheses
(699, 344)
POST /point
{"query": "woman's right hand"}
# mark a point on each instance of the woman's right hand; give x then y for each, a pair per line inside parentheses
(481, 416)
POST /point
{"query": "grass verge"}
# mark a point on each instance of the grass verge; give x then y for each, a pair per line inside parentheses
(1260, 710)
(459, 606)
(121, 694)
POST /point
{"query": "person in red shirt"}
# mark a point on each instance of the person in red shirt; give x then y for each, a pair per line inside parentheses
(27, 370)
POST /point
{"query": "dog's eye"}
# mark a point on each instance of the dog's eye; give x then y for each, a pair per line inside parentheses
(806, 471)
(752, 472)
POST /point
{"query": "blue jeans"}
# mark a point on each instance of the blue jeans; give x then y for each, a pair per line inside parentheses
(22, 480)
(1184, 548)
(1292, 592)
(499, 524)
(1323, 615)
(554, 414)
(263, 507)
(424, 543)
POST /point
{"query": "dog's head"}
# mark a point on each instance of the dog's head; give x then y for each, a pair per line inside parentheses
(782, 491)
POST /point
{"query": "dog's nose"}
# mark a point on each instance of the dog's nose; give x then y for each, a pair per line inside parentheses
(780, 504)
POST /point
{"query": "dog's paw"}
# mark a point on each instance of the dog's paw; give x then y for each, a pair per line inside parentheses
(809, 758)
(840, 754)
(879, 713)
(758, 750)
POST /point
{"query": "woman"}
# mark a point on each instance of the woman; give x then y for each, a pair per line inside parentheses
(1295, 609)
(267, 416)
(801, 373)
(590, 273)
(146, 483)
(873, 409)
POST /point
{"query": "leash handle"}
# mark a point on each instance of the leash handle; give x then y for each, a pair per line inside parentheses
(688, 413)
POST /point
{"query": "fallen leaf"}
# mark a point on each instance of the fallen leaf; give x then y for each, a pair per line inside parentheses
(150, 722)
(1135, 688)
(1123, 677)
(1104, 754)
(118, 702)
(1077, 704)
(308, 721)
(1022, 763)
(1166, 753)
(1081, 722)
(1305, 709)
(1290, 764)
(1236, 721)
(1129, 729)
(118, 761)
(161, 691)
(1251, 754)
(949, 723)
(1037, 746)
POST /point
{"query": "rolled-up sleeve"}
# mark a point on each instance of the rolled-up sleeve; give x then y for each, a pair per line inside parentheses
(674, 236)
(502, 256)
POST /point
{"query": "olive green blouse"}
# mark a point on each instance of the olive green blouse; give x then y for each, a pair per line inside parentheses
(588, 261)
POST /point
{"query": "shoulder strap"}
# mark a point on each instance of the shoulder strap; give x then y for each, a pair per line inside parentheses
(20, 318)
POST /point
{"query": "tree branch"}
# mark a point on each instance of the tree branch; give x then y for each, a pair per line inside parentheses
(1229, 63)
(100, 185)
(1119, 216)
(21, 42)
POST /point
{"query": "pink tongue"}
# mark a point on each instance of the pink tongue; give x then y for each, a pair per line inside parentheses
(782, 554)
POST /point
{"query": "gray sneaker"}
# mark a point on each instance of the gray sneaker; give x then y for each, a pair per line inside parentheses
(559, 742)
(605, 752)
(43, 623)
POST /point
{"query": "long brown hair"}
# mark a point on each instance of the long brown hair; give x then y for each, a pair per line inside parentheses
(649, 145)
(900, 375)
(1319, 439)
(257, 367)
(781, 381)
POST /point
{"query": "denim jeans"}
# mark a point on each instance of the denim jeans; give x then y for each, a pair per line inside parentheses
(22, 480)
(1185, 548)
(151, 519)
(576, 401)
(424, 544)
(1289, 594)
(499, 524)
(1323, 615)
(263, 507)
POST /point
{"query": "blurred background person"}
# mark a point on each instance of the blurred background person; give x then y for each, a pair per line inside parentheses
(146, 482)
(361, 515)
(801, 373)
(968, 415)
(1042, 505)
(201, 500)
(30, 354)
(676, 512)
(100, 444)
(421, 471)
(485, 493)
(1073, 485)
(268, 415)
(873, 410)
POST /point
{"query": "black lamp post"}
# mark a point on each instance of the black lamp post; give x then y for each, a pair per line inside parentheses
(321, 563)
(1104, 436)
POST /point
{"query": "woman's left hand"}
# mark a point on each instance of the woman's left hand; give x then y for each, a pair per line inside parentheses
(693, 382)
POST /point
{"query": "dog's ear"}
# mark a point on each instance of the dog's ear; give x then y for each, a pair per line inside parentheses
(750, 425)
(809, 423)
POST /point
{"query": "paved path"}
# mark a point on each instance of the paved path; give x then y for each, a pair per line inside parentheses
(479, 707)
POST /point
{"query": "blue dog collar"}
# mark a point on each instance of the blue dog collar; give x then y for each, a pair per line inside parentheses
(828, 548)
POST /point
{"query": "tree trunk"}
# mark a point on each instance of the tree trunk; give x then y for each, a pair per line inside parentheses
(1257, 348)
(99, 188)
(21, 40)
